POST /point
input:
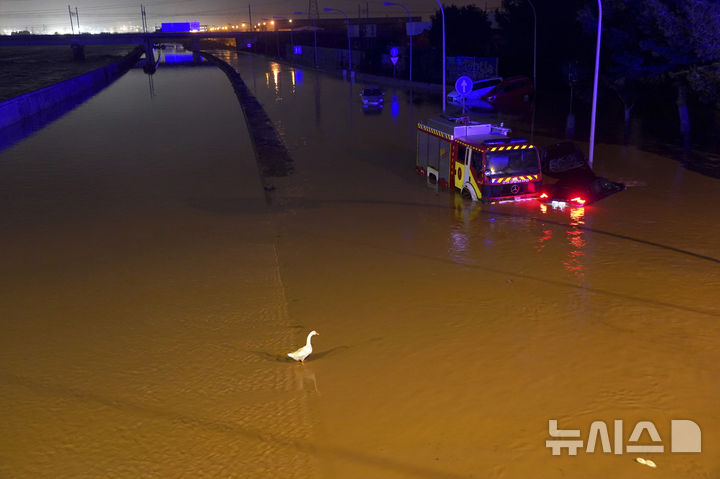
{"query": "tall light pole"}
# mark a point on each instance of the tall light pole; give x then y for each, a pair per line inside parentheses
(314, 35)
(277, 36)
(534, 44)
(347, 19)
(292, 43)
(388, 4)
(595, 83)
(442, 11)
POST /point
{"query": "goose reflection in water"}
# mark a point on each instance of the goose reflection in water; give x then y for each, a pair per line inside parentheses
(305, 379)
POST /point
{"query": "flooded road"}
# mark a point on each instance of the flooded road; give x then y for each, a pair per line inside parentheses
(150, 295)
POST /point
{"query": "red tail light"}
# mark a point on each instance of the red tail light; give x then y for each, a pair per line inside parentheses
(543, 195)
(578, 200)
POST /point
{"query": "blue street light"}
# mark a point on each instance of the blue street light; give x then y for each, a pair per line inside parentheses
(347, 19)
(389, 4)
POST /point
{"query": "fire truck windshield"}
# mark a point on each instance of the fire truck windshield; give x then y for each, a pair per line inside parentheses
(511, 162)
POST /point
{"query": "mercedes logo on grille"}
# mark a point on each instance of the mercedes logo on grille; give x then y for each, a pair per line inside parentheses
(515, 189)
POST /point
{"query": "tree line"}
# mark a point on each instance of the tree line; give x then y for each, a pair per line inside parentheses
(647, 45)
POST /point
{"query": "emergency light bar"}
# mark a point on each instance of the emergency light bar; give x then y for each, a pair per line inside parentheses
(505, 141)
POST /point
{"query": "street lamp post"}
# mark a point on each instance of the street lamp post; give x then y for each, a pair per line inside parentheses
(595, 83)
(347, 19)
(277, 36)
(388, 4)
(292, 43)
(534, 43)
(314, 36)
(442, 11)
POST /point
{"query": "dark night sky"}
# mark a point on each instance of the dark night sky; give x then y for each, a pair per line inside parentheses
(50, 16)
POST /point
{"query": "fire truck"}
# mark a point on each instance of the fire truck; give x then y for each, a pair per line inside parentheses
(481, 160)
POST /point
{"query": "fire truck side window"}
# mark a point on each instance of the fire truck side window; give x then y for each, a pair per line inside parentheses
(476, 161)
(461, 154)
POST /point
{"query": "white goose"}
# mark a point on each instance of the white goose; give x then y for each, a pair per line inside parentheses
(305, 351)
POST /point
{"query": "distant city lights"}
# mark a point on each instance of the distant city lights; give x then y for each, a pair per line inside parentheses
(130, 28)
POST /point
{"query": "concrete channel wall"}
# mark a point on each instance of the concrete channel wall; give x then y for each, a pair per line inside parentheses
(25, 106)
(271, 154)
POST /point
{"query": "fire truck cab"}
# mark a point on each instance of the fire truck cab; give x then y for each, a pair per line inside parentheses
(481, 160)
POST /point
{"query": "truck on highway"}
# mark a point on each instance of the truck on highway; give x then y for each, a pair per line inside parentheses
(481, 160)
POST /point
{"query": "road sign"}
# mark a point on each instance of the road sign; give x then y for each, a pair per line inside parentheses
(463, 85)
(394, 55)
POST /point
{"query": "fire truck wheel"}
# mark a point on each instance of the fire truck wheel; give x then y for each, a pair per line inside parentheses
(466, 194)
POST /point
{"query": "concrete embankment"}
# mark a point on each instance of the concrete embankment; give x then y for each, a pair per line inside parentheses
(29, 104)
(270, 152)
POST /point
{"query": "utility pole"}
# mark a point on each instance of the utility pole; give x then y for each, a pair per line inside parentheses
(595, 84)
(77, 17)
(144, 18)
(252, 27)
(313, 10)
(72, 27)
(314, 14)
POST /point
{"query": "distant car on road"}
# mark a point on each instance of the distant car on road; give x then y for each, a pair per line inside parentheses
(511, 92)
(479, 88)
(372, 97)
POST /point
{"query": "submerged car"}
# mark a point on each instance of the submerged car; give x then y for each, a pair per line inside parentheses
(479, 88)
(372, 97)
(577, 184)
(579, 190)
(511, 92)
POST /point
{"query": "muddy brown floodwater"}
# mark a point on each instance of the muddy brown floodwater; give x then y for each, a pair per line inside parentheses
(150, 294)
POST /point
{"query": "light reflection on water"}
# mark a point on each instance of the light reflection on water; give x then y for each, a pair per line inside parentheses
(575, 234)
(575, 262)
(275, 69)
(547, 235)
(459, 245)
(464, 213)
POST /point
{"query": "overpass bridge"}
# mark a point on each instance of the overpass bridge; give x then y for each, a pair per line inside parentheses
(147, 40)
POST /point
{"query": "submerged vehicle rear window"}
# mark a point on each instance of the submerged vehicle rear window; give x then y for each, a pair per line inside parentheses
(486, 84)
